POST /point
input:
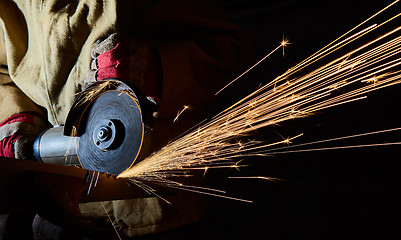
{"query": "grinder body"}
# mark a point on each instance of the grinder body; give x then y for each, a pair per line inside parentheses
(104, 130)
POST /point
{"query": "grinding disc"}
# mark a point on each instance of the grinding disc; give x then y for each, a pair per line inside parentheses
(112, 132)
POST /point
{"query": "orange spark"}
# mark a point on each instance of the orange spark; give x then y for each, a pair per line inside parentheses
(284, 43)
(249, 69)
(180, 112)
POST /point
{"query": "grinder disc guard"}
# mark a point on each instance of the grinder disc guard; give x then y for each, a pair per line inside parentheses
(109, 127)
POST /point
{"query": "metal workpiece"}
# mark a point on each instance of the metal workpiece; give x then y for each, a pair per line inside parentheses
(47, 184)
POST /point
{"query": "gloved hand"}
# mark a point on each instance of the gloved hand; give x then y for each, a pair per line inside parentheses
(17, 134)
(132, 62)
(129, 61)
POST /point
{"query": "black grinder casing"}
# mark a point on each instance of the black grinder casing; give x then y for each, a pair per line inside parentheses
(104, 130)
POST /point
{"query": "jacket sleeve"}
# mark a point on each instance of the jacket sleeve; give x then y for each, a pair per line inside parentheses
(12, 99)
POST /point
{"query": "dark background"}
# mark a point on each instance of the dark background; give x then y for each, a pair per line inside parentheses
(336, 194)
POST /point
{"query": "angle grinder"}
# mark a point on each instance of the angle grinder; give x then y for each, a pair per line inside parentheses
(104, 130)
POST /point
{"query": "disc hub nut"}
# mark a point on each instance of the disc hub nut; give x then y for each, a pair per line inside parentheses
(106, 136)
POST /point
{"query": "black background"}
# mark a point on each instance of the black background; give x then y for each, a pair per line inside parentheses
(335, 194)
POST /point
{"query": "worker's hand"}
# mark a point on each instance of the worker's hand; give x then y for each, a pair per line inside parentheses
(128, 60)
(17, 134)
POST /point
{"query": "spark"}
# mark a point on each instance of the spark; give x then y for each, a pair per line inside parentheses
(189, 189)
(180, 112)
(72, 144)
(373, 79)
(97, 178)
(271, 179)
(338, 147)
(285, 42)
(282, 44)
(93, 90)
(90, 184)
(108, 216)
(359, 135)
(223, 140)
(204, 173)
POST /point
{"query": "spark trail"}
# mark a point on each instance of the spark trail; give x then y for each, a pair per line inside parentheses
(224, 140)
(283, 44)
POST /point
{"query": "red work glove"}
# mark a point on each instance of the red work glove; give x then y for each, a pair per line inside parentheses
(17, 134)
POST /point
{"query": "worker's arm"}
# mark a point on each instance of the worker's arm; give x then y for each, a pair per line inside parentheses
(20, 118)
(12, 99)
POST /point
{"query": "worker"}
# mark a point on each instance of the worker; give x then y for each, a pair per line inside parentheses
(177, 52)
